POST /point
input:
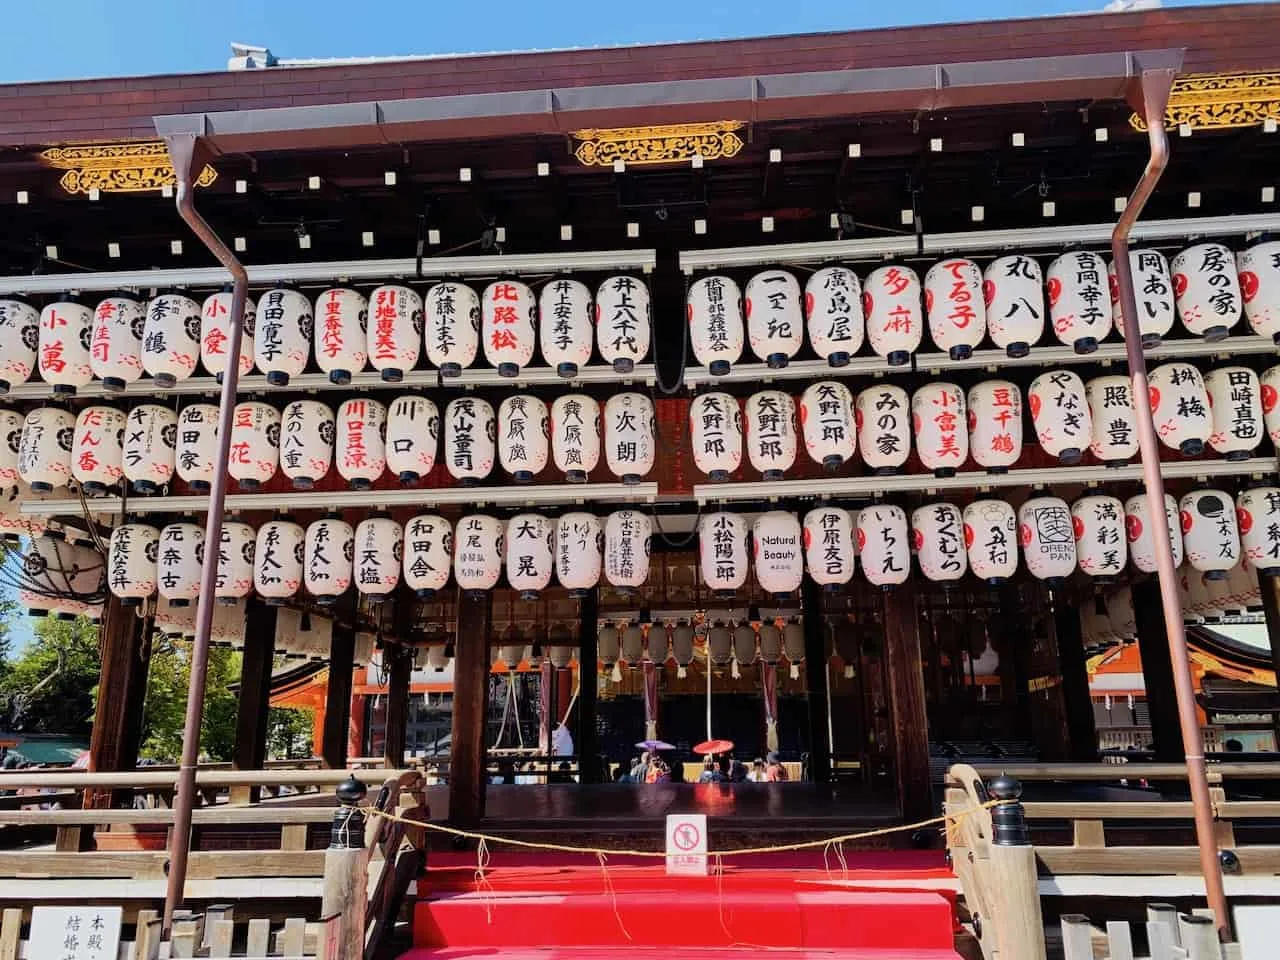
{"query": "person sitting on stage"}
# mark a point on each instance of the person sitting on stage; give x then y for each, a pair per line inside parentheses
(756, 773)
(659, 772)
(775, 772)
(737, 772)
(710, 772)
(640, 767)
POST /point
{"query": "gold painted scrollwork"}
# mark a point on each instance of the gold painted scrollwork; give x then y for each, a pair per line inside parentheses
(663, 144)
(130, 167)
(1221, 101)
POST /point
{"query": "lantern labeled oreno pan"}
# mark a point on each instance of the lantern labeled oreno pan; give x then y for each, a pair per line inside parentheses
(131, 562)
(307, 433)
(235, 562)
(1153, 293)
(891, 305)
(1258, 518)
(360, 446)
(329, 550)
(255, 444)
(282, 340)
(628, 535)
(44, 449)
(829, 550)
(66, 329)
(178, 562)
(1013, 289)
(564, 318)
(579, 552)
(991, 538)
(1079, 300)
(938, 532)
(278, 558)
(771, 433)
(941, 427)
(954, 302)
(1099, 526)
(451, 328)
(1060, 412)
(115, 353)
(715, 427)
(828, 423)
(775, 323)
(995, 424)
(1210, 534)
(1259, 272)
(470, 432)
(883, 418)
(1138, 525)
(507, 314)
(1206, 288)
(524, 436)
(1048, 540)
(171, 338)
(1115, 422)
(623, 322)
(629, 436)
(1235, 397)
(884, 544)
(379, 546)
(575, 435)
(215, 333)
(1180, 407)
(19, 337)
(393, 334)
(478, 550)
(413, 436)
(716, 331)
(778, 549)
(428, 554)
(530, 554)
(341, 333)
(97, 449)
(833, 314)
(150, 440)
(722, 553)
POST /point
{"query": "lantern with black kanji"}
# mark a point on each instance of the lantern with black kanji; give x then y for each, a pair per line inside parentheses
(1138, 525)
(393, 335)
(1013, 289)
(775, 323)
(150, 439)
(564, 325)
(524, 436)
(341, 337)
(428, 554)
(833, 314)
(360, 445)
(1206, 287)
(508, 312)
(215, 333)
(178, 562)
(722, 553)
(307, 432)
(1210, 533)
(329, 551)
(282, 340)
(171, 338)
(1048, 539)
(1060, 412)
(1258, 518)
(1099, 526)
(97, 449)
(579, 552)
(1259, 272)
(1235, 397)
(828, 423)
(829, 547)
(955, 305)
(530, 556)
(19, 337)
(991, 539)
(197, 445)
(255, 444)
(778, 551)
(715, 427)
(44, 449)
(1079, 300)
(623, 322)
(64, 337)
(235, 562)
(278, 558)
(451, 329)
(470, 434)
(884, 544)
(995, 424)
(941, 427)
(882, 415)
(628, 535)
(1153, 293)
(1115, 422)
(771, 433)
(630, 446)
(131, 562)
(891, 305)
(413, 434)
(714, 306)
(379, 548)
(937, 530)
(575, 435)
(115, 353)
(479, 544)
(1180, 407)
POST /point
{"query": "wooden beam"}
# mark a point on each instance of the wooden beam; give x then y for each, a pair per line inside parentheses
(905, 674)
(1269, 587)
(337, 708)
(590, 769)
(122, 691)
(1081, 733)
(1157, 671)
(254, 703)
(816, 667)
(399, 667)
(470, 702)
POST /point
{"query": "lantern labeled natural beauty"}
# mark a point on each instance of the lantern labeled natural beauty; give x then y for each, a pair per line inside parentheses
(19, 337)
(1060, 412)
(1206, 288)
(171, 338)
(716, 332)
(579, 550)
(627, 538)
(938, 532)
(470, 434)
(1115, 422)
(630, 444)
(66, 330)
(1210, 534)
(771, 433)
(995, 424)
(530, 554)
(940, 425)
(957, 311)
(215, 333)
(379, 547)
(234, 577)
(722, 553)
(883, 417)
(478, 552)
(575, 435)
(307, 434)
(1013, 289)
(524, 436)
(1153, 292)
(1079, 300)
(360, 445)
(97, 449)
(428, 554)
(1235, 397)
(828, 423)
(1259, 271)
(282, 339)
(1099, 526)
(413, 435)
(564, 317)
(891, 305)
(44, 449)
(393, 334)
(884, 544)
(451, 327)
(715, 427)
(131, 562)
(150, 441)
(1138, 526)
(329, 550)
(1180, 407)
(278, 558)
(775, 323)
(1048, 539)
(778, 552)
(623, 322)
(829, 547)
(178, 562)
(1258, 517)
(115, 353)
(991, 538)
(833, 314)
(255, 444)
(508, 311)
(341, 333)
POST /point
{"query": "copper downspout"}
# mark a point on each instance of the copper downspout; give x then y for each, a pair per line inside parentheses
(189, 157)
(1156, 85)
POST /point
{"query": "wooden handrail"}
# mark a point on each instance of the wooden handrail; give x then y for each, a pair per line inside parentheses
(226, 815)
(149, 779)
(1027, 771)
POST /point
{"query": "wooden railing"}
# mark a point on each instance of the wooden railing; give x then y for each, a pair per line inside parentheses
(1168, 934)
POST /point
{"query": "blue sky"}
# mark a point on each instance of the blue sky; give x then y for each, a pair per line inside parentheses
(92, 38)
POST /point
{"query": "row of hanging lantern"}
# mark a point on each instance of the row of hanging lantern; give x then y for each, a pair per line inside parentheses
(961, 304)
(728, 643)
(123, 337)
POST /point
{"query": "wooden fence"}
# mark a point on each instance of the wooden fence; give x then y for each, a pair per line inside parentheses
(1168, 935)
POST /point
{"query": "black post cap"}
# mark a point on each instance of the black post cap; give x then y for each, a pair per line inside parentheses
(351, 791)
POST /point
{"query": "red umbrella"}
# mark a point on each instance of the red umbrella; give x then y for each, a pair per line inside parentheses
(713, 747)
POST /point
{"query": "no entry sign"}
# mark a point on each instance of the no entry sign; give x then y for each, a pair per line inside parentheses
(687, 845)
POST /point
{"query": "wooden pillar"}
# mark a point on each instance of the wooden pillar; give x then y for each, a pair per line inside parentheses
(588, 744)
(816, 666)
(337, 706)
(1157, 671)
(399, 668)
(470, 709)
(122, 690)
(905, 675)
(1081, 732)
(254, 702)
(1269, 587)
(357, 725)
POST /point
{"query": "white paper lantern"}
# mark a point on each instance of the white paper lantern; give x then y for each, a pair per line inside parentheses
(97, 449)
(48, 564)
(991, 538)
(508, 312)
(428, 554)
(215, 333)
(66, 330)
(178, 562)
(628, 535)
(478, 551)
(452, 327)
(941, 427)
(255, 444)
(955, 305)
(771, 433)
(579, 552)
(131, 562)
(833, 314)
(329, 554)
(883, 418)
(171, 338)
(19, 338)
(413, 435)
(1241, 585)
(891, 304)
(282, 339)
(1079, 300)
(623, 322)
(682, 637)
(1048, 540)
(995, 424)
(1013, 289)
(778, 551)
(828, 422)
(1258, 518)
(1271, 403)
(744, 647)
(470, 431)
(1138, 525)
(393, 340)
(1210, 534)
(722, 553)
(1099, 526)
(1060, 412)
(715, 427)
(630, 442)
(115, 353)
(938, 532)
(341, 333)
(530, 554)
(307, 433)
(1207, 289)
(775, 322)
(657, 644)
(716, 332)
(279, 557)
(10, 443)
(575, 435)
(379, 549)
(1180, 407)
(197, 445)
(1115, 422)
(524, 436)
(1235, 396)
(884, 544)
(608, 646)
(44, 449)
(1153, 292)
(150, 439)
(829, 546)
(564, 317)
(1259, 272)
(360, 447)
(235, 561)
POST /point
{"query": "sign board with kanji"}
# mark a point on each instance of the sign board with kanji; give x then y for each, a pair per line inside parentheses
(75, 933)
(687, 845)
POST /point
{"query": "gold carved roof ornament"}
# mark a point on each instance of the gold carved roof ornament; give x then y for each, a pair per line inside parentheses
(670, 143)
(1220, 101)
(128, 167)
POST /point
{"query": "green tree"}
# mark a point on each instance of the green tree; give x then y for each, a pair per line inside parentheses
(51, 686)
(164, 716)
(288, 733)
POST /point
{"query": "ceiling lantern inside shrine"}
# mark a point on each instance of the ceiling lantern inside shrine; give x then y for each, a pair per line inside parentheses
(428, 554)
(508, 310)
(771, 433)
(829, 547)
(579, 552)
(97, 449)
(564, 333)
(828, 423)
(255, 444)
(307, 434)
(937, 530)
(329, 551)
(561, 657)
(1210, 534)
(1079, 300)
(379, 547)
(452, 327)
(341, 333)
(995, 424)
(282, 338)
(744, 648)
(1138, 526)
(1258, 518)
(171, 338)
(393, 335)
(777, 540)
(632, 644)
(150, 439)
(657, 644)
(1013, 288)
(954, 302)
(793, 646)
(719, 644)
(19, 337)
(360, 445)
(770, 641)
(131, 562)
(530, 550)
(1115, 422)
(1099, 526)
(64, 338)
(623, 322)
(884, 544)
(180, 554)
(478, 549)
(1153, 293)
(722, 553)
(628, 536)
(1206, 287)
(1180, 407)
(524, 436)
(833, 314)
(716, 331)
(470, 434)
(608, 647)
(413, 435)
(235, 561)
(1259, 272)
(941, 427)
(991, 539)
(775, 320)
(715, 424)
(630, 443)
(575, 435)
(115, 352)
(1060, 412)
(215, 333)
(1048, 540)
(891, 305)
(44, 449)
(682, 637)
(882, 415)
(1235, 399)
(278, 557)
